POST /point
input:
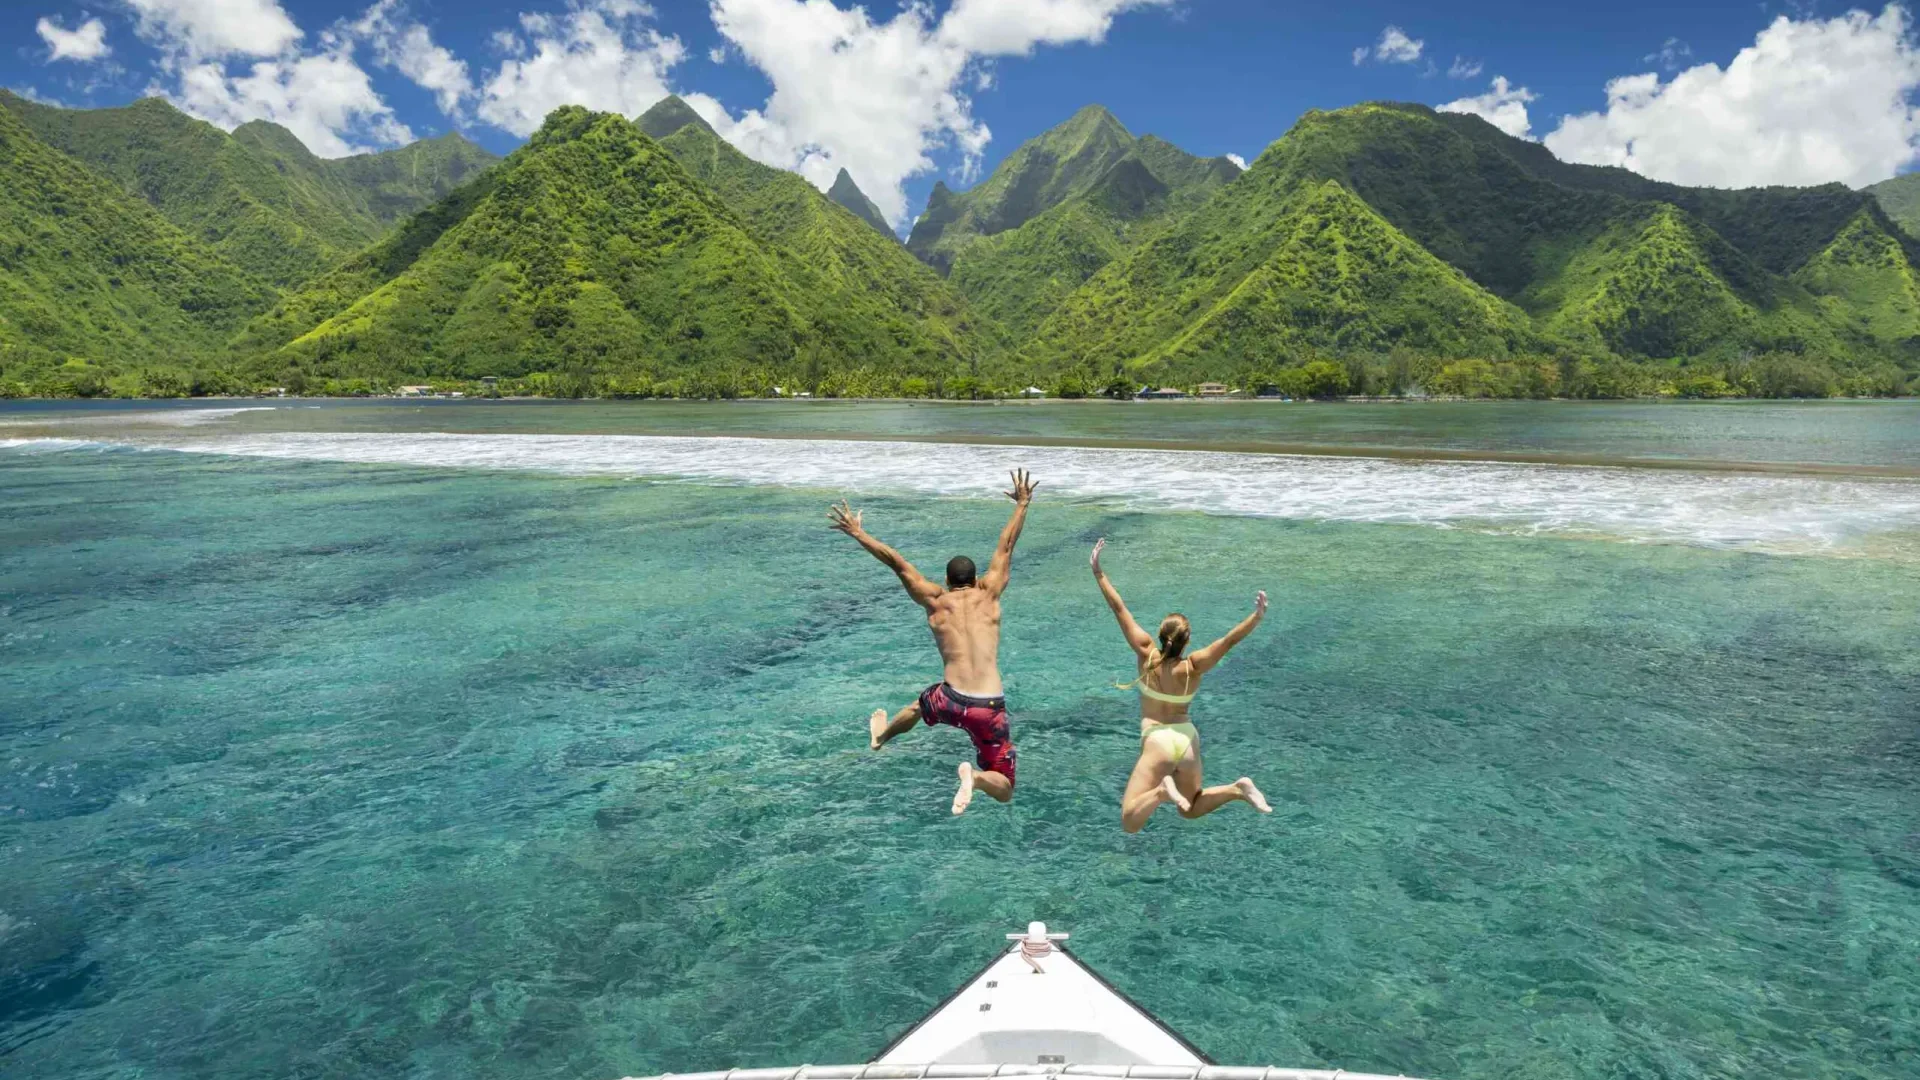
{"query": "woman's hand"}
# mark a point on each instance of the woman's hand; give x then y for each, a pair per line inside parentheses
(1260, 602)
(1095, 560)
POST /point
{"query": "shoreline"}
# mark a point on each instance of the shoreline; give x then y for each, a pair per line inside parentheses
(1653, 399)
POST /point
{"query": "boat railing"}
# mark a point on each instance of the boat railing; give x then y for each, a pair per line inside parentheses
(982, 1072)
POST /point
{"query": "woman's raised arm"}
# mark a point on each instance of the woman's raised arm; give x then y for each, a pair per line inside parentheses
(1204, 659)
(1139, 639)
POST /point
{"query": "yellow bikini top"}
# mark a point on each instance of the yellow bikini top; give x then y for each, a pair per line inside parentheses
(1169, 699)
(1146, 691)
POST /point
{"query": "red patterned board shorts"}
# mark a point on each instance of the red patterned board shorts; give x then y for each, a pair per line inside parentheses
(983, 719)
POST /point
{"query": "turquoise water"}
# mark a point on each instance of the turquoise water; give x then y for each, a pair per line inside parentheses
(526, 766)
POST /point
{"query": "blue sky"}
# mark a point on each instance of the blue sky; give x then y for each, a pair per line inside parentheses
(946, 90)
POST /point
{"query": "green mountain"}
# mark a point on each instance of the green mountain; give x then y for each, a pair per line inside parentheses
(393, 184)
(257, 197)
(1067, 161)
(1380, 248)
(1019, 276)
(1900, 198)
(857, 262)
(669, 115)
(1321, 271)
(1866, 280)
(848, 194)
(592, 248)
(94, 280)
(1334, 241)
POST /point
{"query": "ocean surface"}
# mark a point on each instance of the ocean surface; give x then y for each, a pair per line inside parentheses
(524, 740)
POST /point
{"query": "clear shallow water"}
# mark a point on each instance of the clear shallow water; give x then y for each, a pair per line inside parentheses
(330, 769)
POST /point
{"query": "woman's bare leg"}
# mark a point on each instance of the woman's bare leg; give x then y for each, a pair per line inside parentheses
(881, 731)
(1147, 788)
(1206, 800)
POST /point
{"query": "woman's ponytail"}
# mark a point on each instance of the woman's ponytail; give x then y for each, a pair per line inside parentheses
(1175, 633)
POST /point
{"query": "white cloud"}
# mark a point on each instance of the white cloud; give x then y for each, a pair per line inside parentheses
(212, 28)
(717, 54)
(84, 43)
(1504, 106)
(1670, 54)
(1464, 68)
(407, 47)
(1015, 27)
(321, 95)
(324, 98)
(600, 54)
(1238, 160)
(1394, 47)
(877, 98)
(1810, 101)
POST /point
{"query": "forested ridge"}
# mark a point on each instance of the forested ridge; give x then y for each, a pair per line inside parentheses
(1382, 249)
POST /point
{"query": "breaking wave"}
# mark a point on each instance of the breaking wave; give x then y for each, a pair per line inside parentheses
(1716, 509)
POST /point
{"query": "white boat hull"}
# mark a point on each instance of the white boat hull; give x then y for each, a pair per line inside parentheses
(1035, 1011)
(1048, 1009)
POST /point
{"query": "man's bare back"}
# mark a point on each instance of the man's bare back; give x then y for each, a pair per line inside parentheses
(966, 630)
(965, 619)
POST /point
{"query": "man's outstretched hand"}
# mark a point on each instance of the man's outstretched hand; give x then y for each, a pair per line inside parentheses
(1260, 602)
(1094, 560)
(1023, 487)
(844, 518)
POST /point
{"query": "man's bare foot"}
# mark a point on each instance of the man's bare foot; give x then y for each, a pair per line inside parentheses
(1171, 793)
(1252, 795)
(876, 727)
(965, 795)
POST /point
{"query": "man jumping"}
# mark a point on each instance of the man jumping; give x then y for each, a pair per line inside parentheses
(965, 619)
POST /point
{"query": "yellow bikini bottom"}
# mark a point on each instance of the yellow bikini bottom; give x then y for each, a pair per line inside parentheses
(1177, 740)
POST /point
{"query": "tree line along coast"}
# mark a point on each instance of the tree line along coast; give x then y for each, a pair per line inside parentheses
(1381, 250)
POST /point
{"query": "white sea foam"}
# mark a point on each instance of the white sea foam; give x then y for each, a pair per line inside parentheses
(1770, 512)
(45, 444)
(192, 417)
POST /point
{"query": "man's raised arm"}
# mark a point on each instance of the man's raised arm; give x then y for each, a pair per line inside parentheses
(847, 520)
(1000, 571)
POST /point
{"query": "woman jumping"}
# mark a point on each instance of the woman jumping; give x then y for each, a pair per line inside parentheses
(1169, 767)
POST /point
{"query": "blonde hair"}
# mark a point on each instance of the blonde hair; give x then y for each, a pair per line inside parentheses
(1175, 633)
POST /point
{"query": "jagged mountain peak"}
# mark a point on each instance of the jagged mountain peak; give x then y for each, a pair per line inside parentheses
(1060, 164)
(669, 115)
(848, 194)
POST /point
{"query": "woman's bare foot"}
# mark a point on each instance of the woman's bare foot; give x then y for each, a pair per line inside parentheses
(1170, 792)
(876, 727)
(965, 795)
(1252, 795)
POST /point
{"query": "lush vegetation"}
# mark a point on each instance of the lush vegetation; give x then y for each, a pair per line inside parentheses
(90, 275)
(848, 194)
(594, 252)
(1386, 231)
(1021, 275)
(864, 280)
(1381, 249)
(257, 197)
(1899, 198)
(1058, 165)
